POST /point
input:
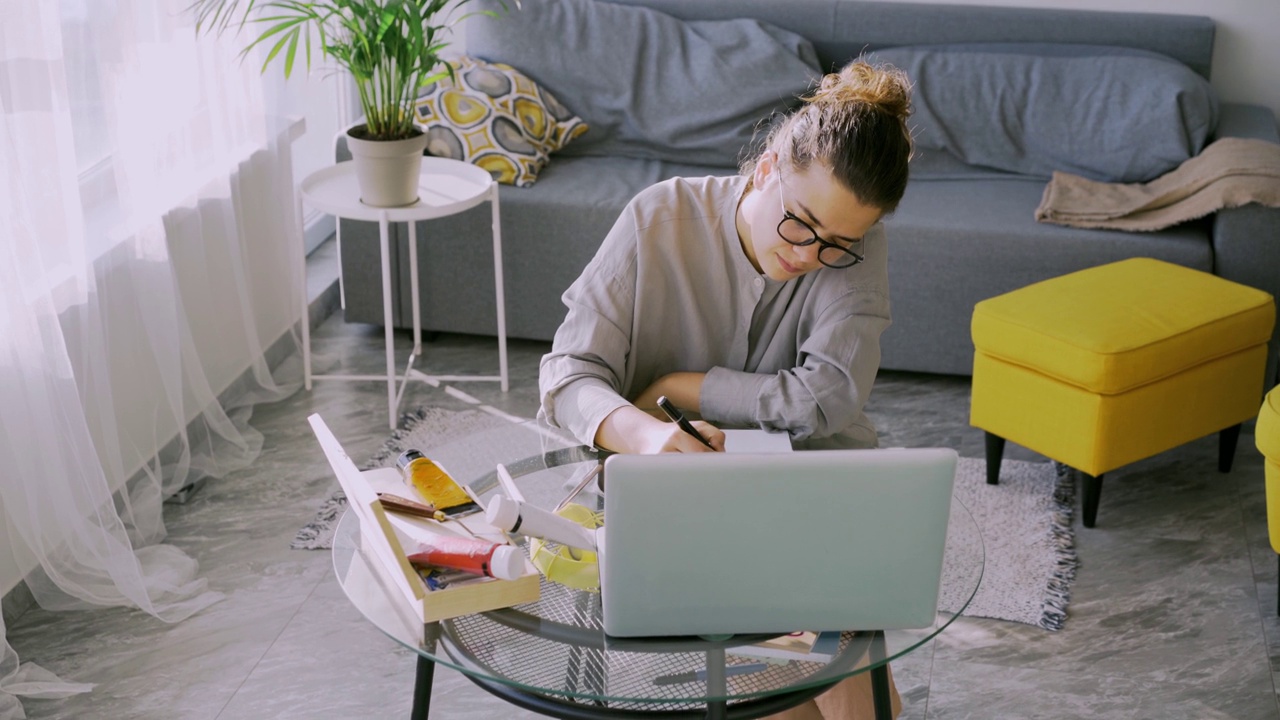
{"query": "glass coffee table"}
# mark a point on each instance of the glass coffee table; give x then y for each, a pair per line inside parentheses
(552, 656)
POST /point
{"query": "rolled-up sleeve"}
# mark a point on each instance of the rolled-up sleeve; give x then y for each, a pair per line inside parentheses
(582, 379)
(825, 392)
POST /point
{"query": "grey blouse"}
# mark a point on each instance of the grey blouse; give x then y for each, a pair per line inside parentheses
(672, 290)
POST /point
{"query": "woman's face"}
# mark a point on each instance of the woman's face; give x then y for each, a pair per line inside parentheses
(812, 196)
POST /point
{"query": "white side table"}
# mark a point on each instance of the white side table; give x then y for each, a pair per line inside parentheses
(445, 187)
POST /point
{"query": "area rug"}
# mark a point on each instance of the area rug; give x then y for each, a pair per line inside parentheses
(1025, 523)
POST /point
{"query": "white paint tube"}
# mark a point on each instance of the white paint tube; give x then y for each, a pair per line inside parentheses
(517, 517)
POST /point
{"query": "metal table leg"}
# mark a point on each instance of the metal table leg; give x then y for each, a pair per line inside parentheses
(423, 680)
(717, 684)
(385, 252)
(424, 677)
(880, 679)
(306, 302)
(499, 294)
(413, 291)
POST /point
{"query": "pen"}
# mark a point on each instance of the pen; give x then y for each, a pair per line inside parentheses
(678, 418)
(701, 675)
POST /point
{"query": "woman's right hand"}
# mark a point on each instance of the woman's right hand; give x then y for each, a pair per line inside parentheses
(668, 437)
(631, 430)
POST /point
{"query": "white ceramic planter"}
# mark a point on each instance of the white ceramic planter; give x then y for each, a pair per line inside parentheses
(387, 170)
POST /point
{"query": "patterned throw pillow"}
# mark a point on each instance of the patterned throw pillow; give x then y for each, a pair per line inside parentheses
(495, 117)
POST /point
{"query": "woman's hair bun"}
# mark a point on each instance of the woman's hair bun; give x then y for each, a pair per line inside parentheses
(855, 124)
(883, 86)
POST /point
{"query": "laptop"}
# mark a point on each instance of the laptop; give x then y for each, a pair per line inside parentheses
(703, 544)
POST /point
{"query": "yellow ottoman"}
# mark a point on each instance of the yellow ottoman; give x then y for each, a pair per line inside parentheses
(1267, 437)
(1106, 366)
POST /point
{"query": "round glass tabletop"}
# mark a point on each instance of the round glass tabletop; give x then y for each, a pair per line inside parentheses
(556, 647)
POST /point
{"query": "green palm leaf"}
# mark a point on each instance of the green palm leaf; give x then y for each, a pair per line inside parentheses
(391, 48)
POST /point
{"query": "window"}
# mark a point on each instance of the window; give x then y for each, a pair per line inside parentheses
(80, 21)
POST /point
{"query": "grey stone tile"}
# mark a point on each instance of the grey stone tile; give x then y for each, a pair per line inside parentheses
(145, 668)
(1176, 494)
(1149, 609)
(975, 691)
(913, 675)
(332, 663)
(329, 662)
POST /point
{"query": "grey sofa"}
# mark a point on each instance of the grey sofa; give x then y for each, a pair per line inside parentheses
(961, 234)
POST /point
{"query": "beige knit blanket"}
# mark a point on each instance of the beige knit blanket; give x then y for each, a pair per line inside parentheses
(1228, 173)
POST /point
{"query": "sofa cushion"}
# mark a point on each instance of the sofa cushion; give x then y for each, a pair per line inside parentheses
(495, 117)
(1116, 327)
(1106, 113)
(648, 84)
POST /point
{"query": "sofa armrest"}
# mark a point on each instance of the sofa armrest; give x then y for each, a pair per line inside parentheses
(1246, 240)
(1246, 121)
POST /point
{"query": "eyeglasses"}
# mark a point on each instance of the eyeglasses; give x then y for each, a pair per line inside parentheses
(800, 233)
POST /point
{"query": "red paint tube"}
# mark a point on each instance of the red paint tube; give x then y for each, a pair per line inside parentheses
(478, 557)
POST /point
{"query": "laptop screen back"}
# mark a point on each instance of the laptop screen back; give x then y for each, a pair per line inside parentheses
(708, 543)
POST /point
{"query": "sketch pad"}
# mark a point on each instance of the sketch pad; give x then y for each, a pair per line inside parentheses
(703, 543)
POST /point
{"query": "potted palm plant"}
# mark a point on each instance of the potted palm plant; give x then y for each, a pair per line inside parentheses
(391, 48)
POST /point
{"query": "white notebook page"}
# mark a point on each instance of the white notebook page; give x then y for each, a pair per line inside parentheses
(756, 441)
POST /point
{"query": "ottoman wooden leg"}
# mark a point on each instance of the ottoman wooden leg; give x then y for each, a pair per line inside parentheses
(1227, 447)
(995, 452)
(1092, 493)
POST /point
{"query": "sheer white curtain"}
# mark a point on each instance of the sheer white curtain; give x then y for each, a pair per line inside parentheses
(143, 196)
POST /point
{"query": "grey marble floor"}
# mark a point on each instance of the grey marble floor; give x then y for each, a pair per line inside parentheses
(1172, 615)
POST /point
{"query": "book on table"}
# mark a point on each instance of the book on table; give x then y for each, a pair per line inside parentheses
(387, 539)
(807, 646)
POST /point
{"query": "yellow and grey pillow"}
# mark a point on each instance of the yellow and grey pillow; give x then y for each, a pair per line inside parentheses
(496, 118)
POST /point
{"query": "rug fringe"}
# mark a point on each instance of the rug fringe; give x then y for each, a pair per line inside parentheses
(1058, 592)
(391, 447)
(317, 534)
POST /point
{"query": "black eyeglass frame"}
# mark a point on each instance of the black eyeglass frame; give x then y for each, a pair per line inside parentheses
(787, 215)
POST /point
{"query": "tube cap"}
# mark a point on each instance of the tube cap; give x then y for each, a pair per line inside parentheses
(502, 513)
(507, 563)
(407, 457)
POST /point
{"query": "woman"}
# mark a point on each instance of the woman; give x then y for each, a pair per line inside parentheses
(755, 300)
